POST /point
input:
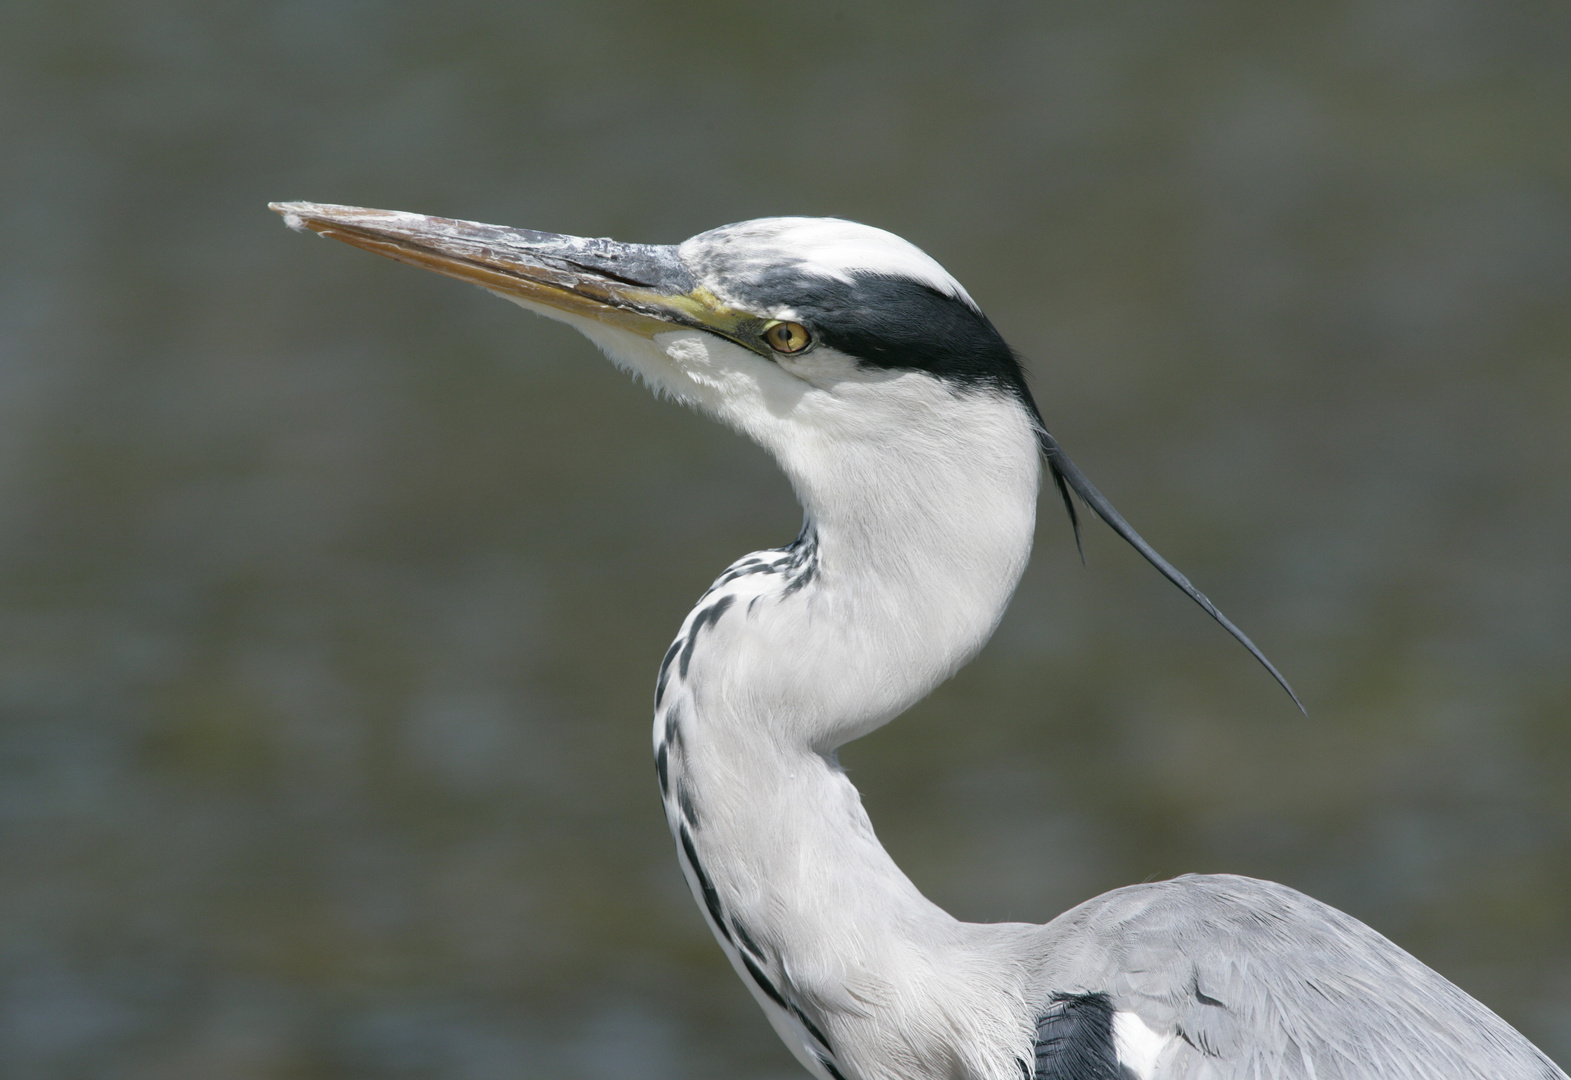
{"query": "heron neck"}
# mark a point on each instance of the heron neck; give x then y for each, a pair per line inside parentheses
(790, 854)
(891, 587)
(916, 537)
(852, 965)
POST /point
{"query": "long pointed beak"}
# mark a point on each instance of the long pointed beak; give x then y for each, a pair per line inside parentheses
(643, 288)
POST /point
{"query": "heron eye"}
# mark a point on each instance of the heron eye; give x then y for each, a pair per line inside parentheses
(787, 337)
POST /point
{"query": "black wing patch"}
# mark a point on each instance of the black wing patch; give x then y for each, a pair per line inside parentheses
(1074, 1040)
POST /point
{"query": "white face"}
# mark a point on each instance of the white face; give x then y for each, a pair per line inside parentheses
(895, 343)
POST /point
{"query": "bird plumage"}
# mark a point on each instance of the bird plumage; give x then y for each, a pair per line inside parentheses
(906, 429)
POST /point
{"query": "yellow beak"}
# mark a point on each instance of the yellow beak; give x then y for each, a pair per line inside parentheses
(639, 287)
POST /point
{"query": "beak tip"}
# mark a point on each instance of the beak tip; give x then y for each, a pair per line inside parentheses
(291, 214)
(315, 217)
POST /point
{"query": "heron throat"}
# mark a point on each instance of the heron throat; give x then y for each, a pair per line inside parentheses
(911, 549)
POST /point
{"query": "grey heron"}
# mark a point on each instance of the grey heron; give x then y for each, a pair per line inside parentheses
(904, 423)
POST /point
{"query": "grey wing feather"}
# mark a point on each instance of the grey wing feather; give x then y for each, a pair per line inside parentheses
(1259, 981)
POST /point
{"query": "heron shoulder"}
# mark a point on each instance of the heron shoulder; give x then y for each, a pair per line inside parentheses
(1254, 978)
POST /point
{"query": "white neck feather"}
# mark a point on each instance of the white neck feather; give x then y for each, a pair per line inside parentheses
(918, 530)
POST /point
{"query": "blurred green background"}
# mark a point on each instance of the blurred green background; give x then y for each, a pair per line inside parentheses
(331, 593)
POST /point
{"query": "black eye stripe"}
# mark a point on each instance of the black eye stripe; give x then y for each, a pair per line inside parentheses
(891, 322)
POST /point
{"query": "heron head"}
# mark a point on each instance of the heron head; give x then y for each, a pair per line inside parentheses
(848, 353)
(828, 342)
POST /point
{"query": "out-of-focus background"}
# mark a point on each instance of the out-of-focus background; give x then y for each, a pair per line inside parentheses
(331, 593)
